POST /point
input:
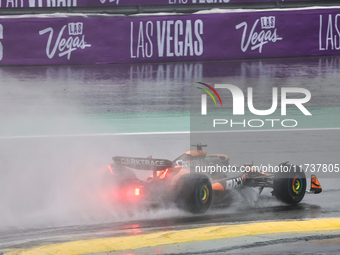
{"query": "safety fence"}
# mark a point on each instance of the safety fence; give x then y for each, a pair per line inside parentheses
(92, 3)
(53, 39)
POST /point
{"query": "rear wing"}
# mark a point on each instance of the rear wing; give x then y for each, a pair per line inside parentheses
(144, 163)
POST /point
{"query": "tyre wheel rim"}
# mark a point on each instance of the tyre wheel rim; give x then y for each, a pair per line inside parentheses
(204, 194)
(297, 185)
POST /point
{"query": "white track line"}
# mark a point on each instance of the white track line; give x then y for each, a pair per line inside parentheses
(89, 135)
(167, 133)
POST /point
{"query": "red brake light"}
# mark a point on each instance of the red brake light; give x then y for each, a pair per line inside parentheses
(137, 192)
(110, 169)
(163, 174)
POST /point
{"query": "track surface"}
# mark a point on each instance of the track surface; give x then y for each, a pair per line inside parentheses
(50, 187)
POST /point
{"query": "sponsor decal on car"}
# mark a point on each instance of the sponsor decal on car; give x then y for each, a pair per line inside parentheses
(235, 183)
(140, 161)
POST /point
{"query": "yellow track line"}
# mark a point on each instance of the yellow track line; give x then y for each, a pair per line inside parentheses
(179, 236)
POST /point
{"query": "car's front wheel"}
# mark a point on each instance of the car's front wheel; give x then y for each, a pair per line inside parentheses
(290, 184)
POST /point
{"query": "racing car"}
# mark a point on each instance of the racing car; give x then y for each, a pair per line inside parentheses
(189, 182)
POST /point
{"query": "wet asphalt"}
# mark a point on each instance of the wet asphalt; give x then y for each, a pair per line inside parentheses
(50, 187)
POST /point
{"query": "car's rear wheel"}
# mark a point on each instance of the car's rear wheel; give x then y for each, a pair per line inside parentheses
(290, 184)
(194, 193)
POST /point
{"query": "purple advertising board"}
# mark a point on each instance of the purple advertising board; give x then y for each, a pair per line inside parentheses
(81, 3)
(197, 37)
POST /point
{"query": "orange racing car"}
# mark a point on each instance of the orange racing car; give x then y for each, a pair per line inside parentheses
(196, 181)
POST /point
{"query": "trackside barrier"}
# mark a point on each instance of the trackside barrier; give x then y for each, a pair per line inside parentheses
(52, 40)
(83, 3)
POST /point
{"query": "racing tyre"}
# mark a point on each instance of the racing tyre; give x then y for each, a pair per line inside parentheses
(290, 184)
(194, 193)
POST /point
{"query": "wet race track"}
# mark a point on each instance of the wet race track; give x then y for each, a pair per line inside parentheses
(61, 126)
